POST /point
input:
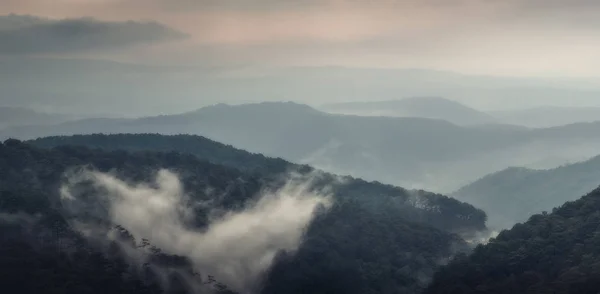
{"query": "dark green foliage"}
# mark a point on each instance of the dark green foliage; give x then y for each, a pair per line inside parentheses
(437, 210)
(551, 253)
(41, 253)
(28, 265)
(385, 239)
(366, 253)
(201, 147)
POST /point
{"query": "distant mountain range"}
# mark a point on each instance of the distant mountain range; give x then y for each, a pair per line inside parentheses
(91, 87)
(412, 152)
(20, 116)
(460, 114)
(512, 195)
(425, 107)
(543, 117)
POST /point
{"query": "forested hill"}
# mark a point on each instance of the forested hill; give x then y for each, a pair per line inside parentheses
(199, 146)
(384, 240)
(512, 195)
(43, 251)
(442, 212)
(551, 253)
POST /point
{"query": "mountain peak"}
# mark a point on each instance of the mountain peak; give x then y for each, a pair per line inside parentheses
(276, 107)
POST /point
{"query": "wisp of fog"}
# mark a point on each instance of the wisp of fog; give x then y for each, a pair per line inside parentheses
(237, 248)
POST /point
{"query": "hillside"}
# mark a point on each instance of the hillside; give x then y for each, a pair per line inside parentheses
(550, 253)
(199, 146)
(425, 107)
(412, 229)
(18, 116)
(544, 117)
(446, 213)
(512, 195)
(415, 153)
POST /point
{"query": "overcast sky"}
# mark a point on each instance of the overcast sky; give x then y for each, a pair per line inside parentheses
(504, 37)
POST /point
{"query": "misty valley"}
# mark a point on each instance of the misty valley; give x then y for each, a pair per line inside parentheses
(80, 201)
(299, 147)
(151, 213)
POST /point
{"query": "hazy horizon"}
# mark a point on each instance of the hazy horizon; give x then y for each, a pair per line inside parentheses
(488, 55)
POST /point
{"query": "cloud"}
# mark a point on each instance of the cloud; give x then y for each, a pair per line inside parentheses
(474, 36)
(33, 35)
(237, 248)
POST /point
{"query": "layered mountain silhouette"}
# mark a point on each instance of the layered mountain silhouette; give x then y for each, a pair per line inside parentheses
(20, 116)
(93, 87)
(425, 107)
(512, 195)
(544, 117)
(411, 152)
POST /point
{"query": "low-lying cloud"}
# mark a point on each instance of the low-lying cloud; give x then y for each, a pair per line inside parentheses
(33, 35)
(238, 248)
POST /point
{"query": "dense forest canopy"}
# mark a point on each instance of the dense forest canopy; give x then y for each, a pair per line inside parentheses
(381, 238)
(556, 252)
(444, 213)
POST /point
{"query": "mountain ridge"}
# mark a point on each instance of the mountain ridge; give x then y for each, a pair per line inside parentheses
(511, 195)
(432, 107)
(412, 152)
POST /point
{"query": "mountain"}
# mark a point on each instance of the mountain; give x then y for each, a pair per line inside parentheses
(252, 163)
(544, 117)
(49, 246)
(554, 252)
(20, 116)
(512, 195)
(372, 239)
(425, 107)
(92, 87)
(416, 153)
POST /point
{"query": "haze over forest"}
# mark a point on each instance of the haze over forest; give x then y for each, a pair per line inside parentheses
(310, 146)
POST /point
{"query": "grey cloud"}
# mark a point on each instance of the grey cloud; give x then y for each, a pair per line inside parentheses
(237, 248)
(270, 4)
(236, 5)
(32, 35)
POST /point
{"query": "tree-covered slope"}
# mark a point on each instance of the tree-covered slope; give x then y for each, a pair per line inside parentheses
(370, 231)
(434, 209)
(42, 250)
(512, 195)
(199, 146)
(550, 253)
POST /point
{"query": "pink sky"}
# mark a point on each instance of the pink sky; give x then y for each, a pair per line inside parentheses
(513, 37)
